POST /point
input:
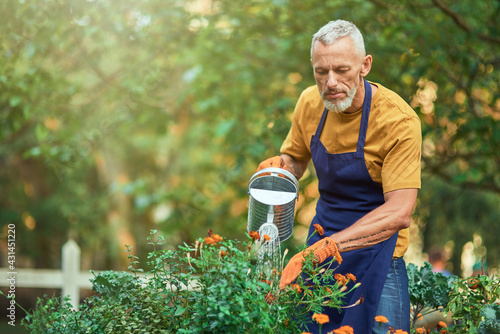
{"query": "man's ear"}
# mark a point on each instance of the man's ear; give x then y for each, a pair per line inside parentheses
(366, 65)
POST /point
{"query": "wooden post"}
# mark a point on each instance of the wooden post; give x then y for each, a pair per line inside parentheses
(70, 272)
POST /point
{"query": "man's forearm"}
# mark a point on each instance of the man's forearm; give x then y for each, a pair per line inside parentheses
(362, 241)
(296, 167)
(380, 224)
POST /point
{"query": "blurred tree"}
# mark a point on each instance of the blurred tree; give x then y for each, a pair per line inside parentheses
(117, 117)
(87, 91)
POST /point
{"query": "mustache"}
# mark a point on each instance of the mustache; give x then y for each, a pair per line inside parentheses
(329, 91)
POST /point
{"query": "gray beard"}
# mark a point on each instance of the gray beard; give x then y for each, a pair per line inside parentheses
(340, 106)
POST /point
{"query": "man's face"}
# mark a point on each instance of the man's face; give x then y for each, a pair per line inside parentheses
(338, 73)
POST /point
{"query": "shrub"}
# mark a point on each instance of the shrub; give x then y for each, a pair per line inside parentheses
(474, 305)
(211, 286)
(471, 301)
(429, 291)
(220, 286)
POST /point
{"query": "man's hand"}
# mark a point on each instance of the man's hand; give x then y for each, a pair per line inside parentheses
(321, 250)
(292, 269)
(276, 161)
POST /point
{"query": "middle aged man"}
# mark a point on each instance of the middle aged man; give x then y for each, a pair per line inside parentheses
(364, 141)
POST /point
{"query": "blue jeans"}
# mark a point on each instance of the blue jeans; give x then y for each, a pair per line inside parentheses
(395, 300)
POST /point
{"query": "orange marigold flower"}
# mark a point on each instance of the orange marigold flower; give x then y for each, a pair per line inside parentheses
(216, 237)
(419, 316)
(269, 298)
(305, 333)
(297, 288)
(400, 331)
(381, 318)
(351, 277)
(210, 241)
(266, 281)
(318, 228)
(341, 279)
(254, 235)
(421, 330)
(321, 318)
(442, 324)
(344, 330)
(443, 331)
(267, 238)
(222, 253)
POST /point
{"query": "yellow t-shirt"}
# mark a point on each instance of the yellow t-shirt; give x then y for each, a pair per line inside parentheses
(392, 145)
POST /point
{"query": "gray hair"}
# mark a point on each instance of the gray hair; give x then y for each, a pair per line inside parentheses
(335, 30)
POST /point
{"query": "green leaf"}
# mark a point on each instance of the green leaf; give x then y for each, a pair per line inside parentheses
(179, 311)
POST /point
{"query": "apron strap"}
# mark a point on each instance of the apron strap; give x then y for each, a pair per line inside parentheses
(321, 123)
(364, 119)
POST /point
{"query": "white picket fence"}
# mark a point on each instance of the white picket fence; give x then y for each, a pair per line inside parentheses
(69, 278)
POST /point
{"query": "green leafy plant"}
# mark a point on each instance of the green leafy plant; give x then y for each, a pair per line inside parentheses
(474, 305)
(214, 285)
(472, 302)
(429, 291)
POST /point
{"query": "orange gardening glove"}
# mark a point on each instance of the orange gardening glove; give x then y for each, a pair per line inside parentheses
(321, 250)
(276, 161)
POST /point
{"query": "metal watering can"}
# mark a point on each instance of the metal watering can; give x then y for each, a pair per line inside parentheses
(271, 208)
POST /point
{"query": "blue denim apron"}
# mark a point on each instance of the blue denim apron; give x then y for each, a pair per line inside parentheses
(347, 193)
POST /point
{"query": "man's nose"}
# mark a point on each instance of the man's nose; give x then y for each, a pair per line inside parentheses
(331, 80)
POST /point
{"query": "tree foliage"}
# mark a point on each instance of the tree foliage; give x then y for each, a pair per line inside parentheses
(119, 116)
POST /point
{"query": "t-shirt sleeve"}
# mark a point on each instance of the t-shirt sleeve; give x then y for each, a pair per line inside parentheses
(401, 167)
(296, 144)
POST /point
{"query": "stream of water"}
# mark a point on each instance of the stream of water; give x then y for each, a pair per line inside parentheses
(269, 253)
